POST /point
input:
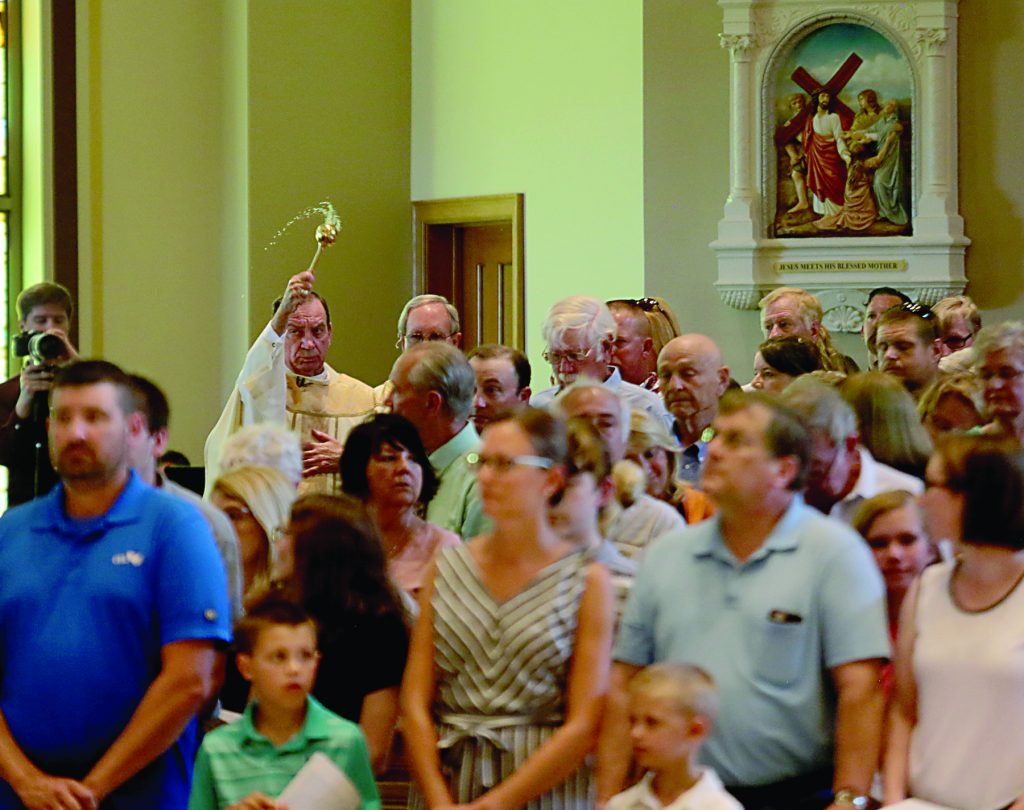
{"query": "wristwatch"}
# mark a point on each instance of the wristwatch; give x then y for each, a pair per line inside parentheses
(845, 797)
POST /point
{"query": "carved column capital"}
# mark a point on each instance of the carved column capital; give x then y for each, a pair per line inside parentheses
(738, 45)
(932, 40)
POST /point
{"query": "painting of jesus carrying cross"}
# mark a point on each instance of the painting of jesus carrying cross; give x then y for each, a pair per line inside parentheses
(842, 135)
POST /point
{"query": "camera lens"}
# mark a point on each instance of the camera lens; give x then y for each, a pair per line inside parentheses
(44, 348)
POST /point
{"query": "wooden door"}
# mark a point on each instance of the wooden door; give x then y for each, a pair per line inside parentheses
(470, 250)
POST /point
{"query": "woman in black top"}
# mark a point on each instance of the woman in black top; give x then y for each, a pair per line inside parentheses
(331, 561)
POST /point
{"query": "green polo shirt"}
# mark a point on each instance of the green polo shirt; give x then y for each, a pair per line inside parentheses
(236, 760)
(456, 505)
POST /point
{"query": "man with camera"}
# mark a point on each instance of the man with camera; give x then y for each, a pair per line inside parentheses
(44, 312)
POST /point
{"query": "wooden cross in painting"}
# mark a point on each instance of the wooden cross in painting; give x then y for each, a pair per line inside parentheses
(834, 86)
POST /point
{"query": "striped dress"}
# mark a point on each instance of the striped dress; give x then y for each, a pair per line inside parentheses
(502, 670)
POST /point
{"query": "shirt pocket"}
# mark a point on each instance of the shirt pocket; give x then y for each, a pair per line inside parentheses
(781, 651)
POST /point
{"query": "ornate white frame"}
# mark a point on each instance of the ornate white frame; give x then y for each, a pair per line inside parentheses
(929, 264)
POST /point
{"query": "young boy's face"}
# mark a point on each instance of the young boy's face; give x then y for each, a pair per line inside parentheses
(282, 666)
(662, 734)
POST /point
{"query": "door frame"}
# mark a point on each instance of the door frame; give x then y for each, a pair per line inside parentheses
(494, 209)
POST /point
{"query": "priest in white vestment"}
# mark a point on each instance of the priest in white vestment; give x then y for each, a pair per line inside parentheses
(284, 379)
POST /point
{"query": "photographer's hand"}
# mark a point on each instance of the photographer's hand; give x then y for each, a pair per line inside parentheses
(70, 352)
(34, 378)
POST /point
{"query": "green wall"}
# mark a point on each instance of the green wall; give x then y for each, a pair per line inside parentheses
(544, 99)
(204, 127)
(329, 96)
(161, 202)
(36, 210)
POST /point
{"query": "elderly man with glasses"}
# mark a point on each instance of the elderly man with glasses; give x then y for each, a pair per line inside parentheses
(580, 335)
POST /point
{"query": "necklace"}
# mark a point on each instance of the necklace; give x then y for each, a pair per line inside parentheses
(1002, 598)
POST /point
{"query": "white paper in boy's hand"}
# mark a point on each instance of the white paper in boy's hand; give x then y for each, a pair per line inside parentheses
(916, 804)
(320, 785)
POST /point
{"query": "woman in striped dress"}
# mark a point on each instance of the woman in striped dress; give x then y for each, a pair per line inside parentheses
(508, 667)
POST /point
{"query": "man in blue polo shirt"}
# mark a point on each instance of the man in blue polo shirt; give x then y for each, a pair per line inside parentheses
(782, 606)
(113, 603)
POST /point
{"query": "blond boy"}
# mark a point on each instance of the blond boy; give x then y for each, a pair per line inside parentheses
(672, 709)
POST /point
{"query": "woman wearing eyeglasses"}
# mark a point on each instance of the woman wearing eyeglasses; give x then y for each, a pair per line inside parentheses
(955, 724)
(999, 364)
(502, 695)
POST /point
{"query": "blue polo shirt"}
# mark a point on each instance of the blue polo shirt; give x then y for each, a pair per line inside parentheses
(768, 630)
(85, 608)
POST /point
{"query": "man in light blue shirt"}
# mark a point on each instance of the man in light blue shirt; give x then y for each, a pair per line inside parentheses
(782, 606)
(432, 385)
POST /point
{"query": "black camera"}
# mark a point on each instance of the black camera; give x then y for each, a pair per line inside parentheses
(41, 348)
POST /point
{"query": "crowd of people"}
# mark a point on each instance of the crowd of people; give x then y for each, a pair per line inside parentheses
(644, 585)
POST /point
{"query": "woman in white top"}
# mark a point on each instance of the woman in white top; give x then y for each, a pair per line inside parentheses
(955, 726)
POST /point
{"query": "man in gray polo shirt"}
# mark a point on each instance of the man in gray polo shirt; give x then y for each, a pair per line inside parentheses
(784, 608)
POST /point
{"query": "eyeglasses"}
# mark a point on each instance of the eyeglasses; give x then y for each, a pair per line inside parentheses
(1004, 373)
(920, 310)
(503, 465)
(418, 337)
(557, 358)
(956, 342)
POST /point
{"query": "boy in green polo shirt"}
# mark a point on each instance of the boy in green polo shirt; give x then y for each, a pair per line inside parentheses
(249, 761)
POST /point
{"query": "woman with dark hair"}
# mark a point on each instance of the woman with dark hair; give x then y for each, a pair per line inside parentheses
(954, 727)
(331, 562)
(509, 661)
(385, 465)
(780, 360)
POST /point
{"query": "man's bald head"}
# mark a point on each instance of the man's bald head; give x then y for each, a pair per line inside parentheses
(602, 408)
(692, 345)
(693, 379)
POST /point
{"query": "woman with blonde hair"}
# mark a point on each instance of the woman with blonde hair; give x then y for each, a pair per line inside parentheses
(892, 525)
(652, 449)
(257, 501)
(887, 421)
(953, 404)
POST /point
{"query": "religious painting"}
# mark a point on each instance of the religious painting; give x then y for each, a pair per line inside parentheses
(842, 135)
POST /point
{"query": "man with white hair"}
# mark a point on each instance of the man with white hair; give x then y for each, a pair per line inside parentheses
(580, 334)
(432, 385)
(841, 472)
(791, 311)
(647, 518)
